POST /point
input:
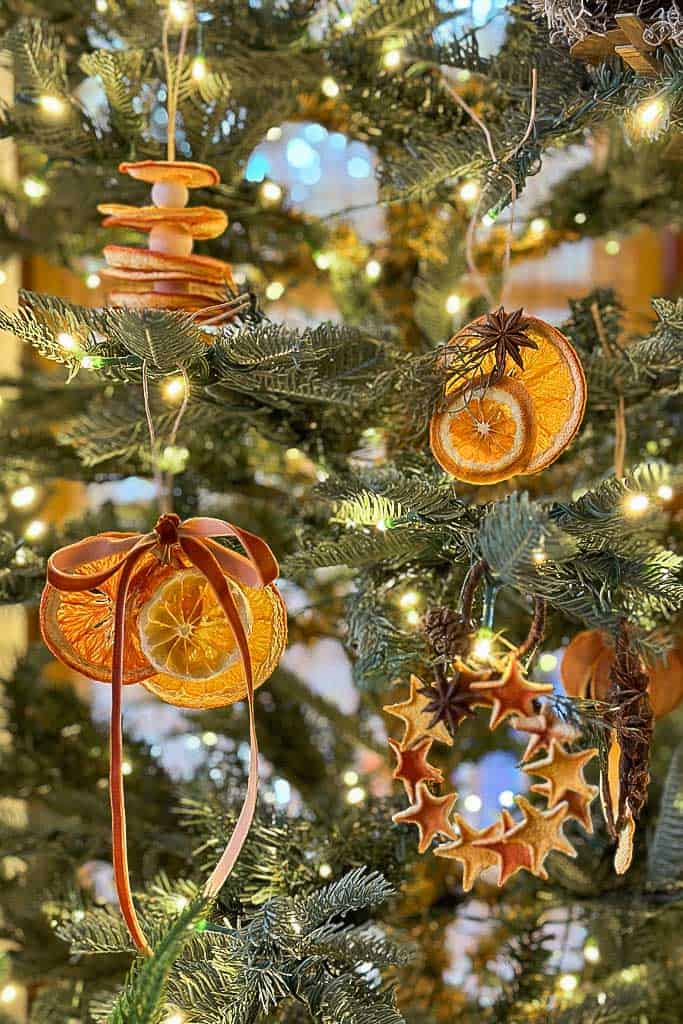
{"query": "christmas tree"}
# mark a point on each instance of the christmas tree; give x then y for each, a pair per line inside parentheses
(318, 354)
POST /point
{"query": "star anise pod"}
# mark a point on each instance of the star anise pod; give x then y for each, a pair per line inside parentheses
(505, 335)
(450, 701)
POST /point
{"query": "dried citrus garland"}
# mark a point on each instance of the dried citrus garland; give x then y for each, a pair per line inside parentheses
(515, 403)
(167, 275)
(433, 712)
(196, 623)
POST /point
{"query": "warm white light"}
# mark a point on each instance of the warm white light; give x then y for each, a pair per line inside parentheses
(391, 59)
(101, 6)
(329, 87)
(409, 599)
(538, 225)
(346, 21)
(9, 993)
(612, 247)
(199, 70)
(175, 1018)
(473, 803)
(271, 192)
(87, 362)
(602, 998)
(209, 739)
(126, 768)
(412, 617)
(180, 902)
(24, 497)
(381, 525)
(591, 952)
(350, 777)
(469, 191)
(580, 218)
(539, 556)
(453, 304)
(636, 504)
(35, 529)
(356, 795)
(67, 341)
(483, 646)
(34, 188)
(547, 662)
(3, 277)
(323, 260)
(174, 389)
(325, 871)
(275, 291)
(665, 492)
(373, 270)
(568, 982)
(487, 220)
(652, 116)
(52, 105)
(179, 11)
(506, 798)
(93, 281)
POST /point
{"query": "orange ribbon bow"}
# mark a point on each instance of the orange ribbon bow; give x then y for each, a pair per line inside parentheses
(195, 538)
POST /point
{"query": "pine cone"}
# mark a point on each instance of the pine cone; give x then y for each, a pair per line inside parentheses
(447, 632)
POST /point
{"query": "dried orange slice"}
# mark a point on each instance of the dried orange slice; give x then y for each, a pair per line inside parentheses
(183, 629)
(200, 221)
(267, 639)
(484, 434)
(182, 171)
(78, 628)
(556, 384)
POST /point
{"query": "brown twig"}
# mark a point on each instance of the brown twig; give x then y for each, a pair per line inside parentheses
(469, 588)
(620, 410)
(536, 629)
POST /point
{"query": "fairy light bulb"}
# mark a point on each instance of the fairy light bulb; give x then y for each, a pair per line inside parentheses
(591, 952)
(35, 530)
(473, 803)
(612, 247)
(325, 871)
(483, 645)
(345, 22)
(392, 59)
(101, 6)
(34, 188)
(651, 117)
(275, 291)
(469, 191)
(323, 260)
(538, 226)
(93, 281)
(412, 617)
(174, 389)
(356, 795)
(547, 662)
(199, 70)
(177, 1017)
(373, 270)
(506, 798)
(24, 497)
(665, 492)
(453, 304)
(179, 11)
(52, 105)
(409, 599)
(636, 504)
(568, 983)
(67, 341)
(350, 777)
(329, 87)
(271, 192)
(9, 993)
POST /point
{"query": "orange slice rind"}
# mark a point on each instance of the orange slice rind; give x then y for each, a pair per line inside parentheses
(131, 258)
(201, 222)
(182, 172)
(484, 434)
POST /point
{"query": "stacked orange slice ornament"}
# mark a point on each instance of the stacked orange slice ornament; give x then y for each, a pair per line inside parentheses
(167, 274)
(196, 623)
(514, 403)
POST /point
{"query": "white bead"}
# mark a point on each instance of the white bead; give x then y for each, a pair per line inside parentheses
(170, 239)
(169, 193)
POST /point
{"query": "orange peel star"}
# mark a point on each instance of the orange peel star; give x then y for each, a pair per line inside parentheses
(541, 831)
(474, 858)
(563, 772)
(512, 694)
(431, 815)
(412, 765)
(412, 712)
(542, 729)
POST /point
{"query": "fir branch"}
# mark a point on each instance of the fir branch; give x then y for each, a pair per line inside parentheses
(665, 860)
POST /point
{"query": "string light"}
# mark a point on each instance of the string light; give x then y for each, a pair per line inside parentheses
(651, 117)
(469, 191)
(412, 617)
(199, 69)
(350, 777)
(127, 768)
(591, 952)
(9, 993)
(636, 504)
(325, 871)
(409, 599)
(602, 998)
(506, 798)
(381, 525)
(483, 646)
(179, 11)
(274, 134)
(538, 226)
(93, 281)
(580, 218)
(453, 304)
(175, 1018)
(345, 22)
(35, 529)
(392, 59)
(275, 291)
(101, 6)
(174, 389)
(665, 492)
(356, 795)
(271, 192)
(472, 803)
(488, 221)
(612, 247)
(67, 341)
(24, 497)
(3, 277)
(52, 105)
(539, 556)
(209, 739)
(547, 662)
(323, 260)
(373, 270)
(329, 87)
(568, 983)
(34, 188)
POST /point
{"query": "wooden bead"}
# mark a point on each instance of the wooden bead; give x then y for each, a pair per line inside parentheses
(169, 239)
(170, 193)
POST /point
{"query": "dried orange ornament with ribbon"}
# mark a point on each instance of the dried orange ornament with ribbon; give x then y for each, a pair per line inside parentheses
(514, 400)
(196, 623)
